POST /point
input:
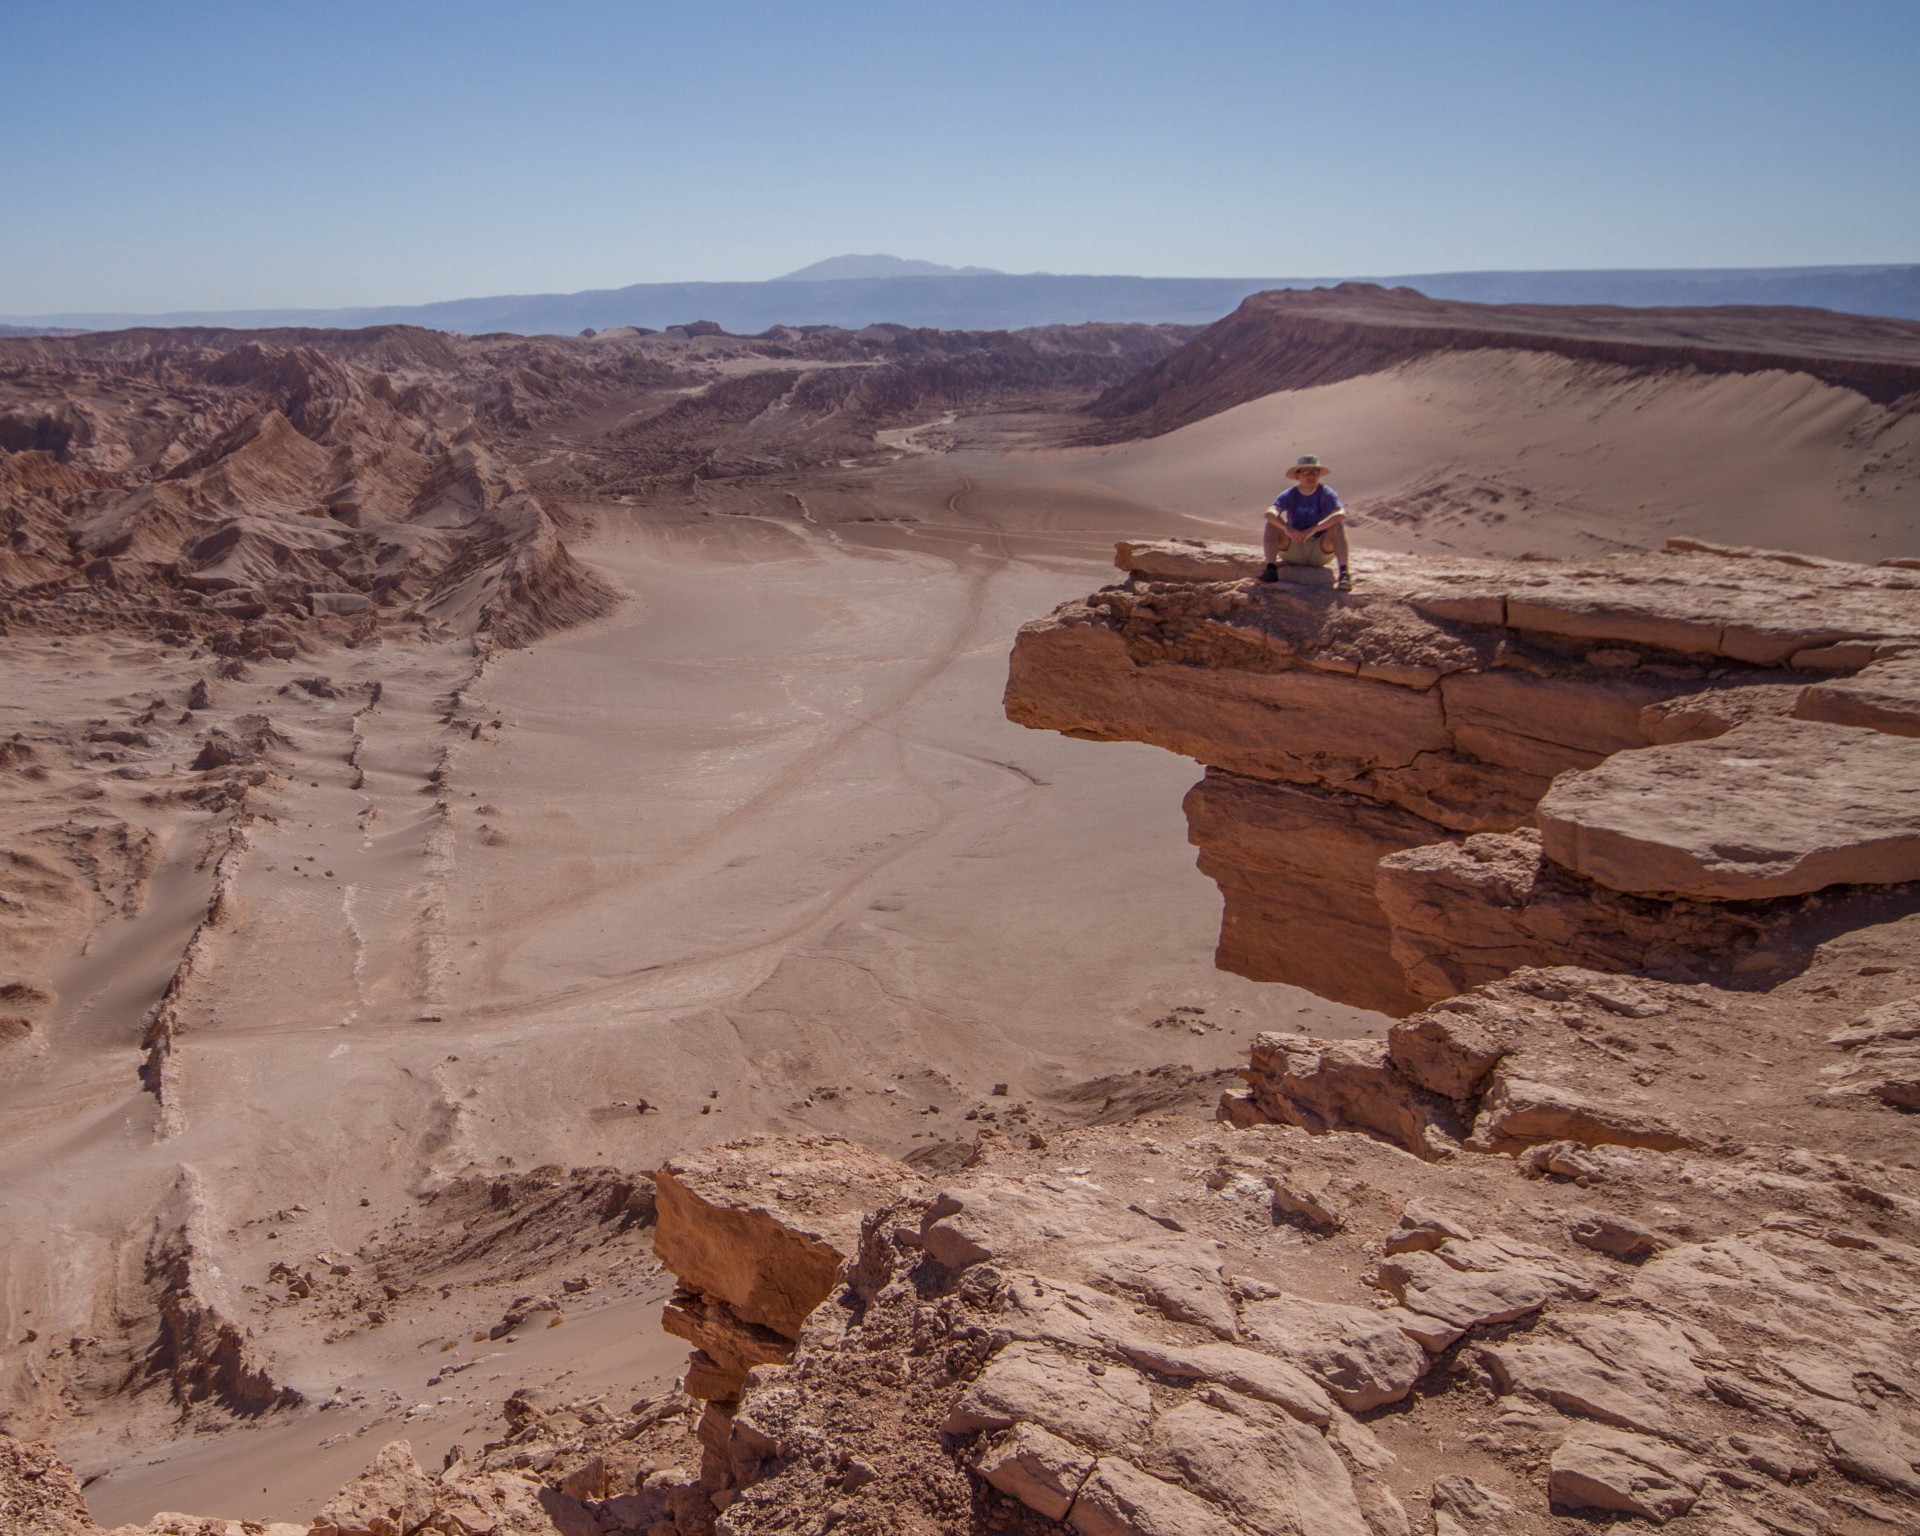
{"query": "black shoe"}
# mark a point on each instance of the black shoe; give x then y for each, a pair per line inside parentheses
(1344, 582)
(1270, 572)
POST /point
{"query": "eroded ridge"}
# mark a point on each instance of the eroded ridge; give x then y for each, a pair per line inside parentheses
(1647, 763)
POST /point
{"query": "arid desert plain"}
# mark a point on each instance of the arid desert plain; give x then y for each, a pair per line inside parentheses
(447, 785)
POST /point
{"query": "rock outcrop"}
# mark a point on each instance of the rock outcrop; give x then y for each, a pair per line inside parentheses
(1463, 767)
(758, 1233)
(1643, 1265)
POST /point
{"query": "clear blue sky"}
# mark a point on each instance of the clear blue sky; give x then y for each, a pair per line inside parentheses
(167, 154)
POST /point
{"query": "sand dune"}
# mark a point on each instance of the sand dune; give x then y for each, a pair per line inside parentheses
(1504, 453)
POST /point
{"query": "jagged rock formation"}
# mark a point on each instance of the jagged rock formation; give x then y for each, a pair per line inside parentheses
(1465, 766)
(254, 492)
(200, 1351)
(268, 491)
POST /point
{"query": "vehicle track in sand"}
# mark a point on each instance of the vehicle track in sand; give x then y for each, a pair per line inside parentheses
(728, 977)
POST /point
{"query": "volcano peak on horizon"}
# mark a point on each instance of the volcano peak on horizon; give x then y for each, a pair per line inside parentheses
(851, 267)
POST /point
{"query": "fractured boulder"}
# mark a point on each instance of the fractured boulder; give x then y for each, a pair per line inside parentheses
(1625, 1474)
(1359, 1355)
(1772, 808)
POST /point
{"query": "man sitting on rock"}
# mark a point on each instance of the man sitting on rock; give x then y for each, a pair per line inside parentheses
(1307, 525)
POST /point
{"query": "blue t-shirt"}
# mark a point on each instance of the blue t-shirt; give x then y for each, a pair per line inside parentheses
(1302, 511)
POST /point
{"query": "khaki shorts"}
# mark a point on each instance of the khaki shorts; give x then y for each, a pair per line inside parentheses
(1313, 552)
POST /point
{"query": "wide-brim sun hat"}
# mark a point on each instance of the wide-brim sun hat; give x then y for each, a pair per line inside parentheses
(1307, 461)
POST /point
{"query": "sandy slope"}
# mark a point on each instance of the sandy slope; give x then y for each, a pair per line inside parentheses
(1505, 452)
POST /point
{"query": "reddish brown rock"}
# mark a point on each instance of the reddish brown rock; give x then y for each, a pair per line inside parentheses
(1121, 1500)
(1545, 725)
(1075, 673)
(1041, 1470)
(1463, 914)
(1446, 697)
(1885, 697)
(1187, 559)
(1264, 843)
(1035, 1384)
(1324, 1085)
(1624, 1474)
(1360, 1356)
(393, 1497)
(1773, 808)
(764, 1225)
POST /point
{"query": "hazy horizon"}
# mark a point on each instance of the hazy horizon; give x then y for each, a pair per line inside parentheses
(854, 291)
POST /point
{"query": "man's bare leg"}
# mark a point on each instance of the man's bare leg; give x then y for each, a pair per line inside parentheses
(1273, 539)
(1335, 543)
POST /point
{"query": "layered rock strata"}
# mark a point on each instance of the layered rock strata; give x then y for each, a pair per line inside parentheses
(757, 1234)
(1674, 748)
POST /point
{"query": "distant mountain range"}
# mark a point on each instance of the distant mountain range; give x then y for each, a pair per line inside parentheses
(854, 291)
(880, 266)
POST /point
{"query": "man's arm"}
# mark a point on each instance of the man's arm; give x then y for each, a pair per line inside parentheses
(1330, 520)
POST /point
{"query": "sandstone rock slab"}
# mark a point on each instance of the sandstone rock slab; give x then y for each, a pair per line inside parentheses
(1277, 1475)
(1772, 808)
(1187, 559)
(1633, 1373)
(1075, 673)
(1519, 1111)
(1885, 697)
(1423, 1282)
(1543, 725)
(1105, 1405)
(1247, 1371)
(1357, 1354)
(1039, 1469)
(1463, 1507)
(766, 1223)
(1624, 1474)
(1324, 1085)
(1464, 914)
(1011, 1221)
(1121, 1500)
(1181, 1279)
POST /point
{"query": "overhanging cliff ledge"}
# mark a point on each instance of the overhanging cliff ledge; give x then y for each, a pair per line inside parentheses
(1683, 764)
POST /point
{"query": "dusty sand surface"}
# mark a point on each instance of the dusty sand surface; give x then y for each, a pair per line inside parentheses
(755, 849)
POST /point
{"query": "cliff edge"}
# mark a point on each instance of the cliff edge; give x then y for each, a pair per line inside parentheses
(1673, 764)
